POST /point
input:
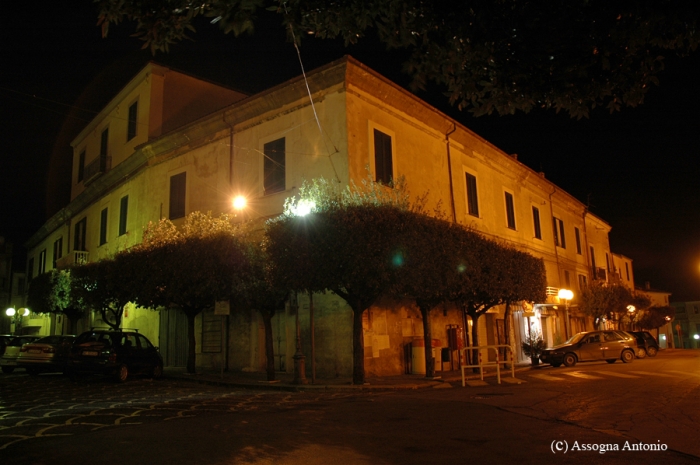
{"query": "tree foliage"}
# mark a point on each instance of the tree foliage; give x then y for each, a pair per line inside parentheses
(106, 286)
(610, 300)
(489, 55)
(52, 292)
(654, 316)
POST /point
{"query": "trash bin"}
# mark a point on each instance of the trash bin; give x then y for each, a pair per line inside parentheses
(418, 355)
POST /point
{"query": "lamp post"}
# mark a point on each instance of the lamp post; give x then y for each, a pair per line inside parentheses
(299, 358)
(16, 317)
(566, 295)
(301, 209)
(630, 310)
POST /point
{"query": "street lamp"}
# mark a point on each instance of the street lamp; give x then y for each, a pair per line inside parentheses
(631, 309)
(16, 316)
(299, 358)
(566, 295)
(239, 202)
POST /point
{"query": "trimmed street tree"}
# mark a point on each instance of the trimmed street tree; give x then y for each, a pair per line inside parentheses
(654, 317)
(347, 243)
(51, 293)
(609, 300)
(105, 286)
(191, 269)
(258, 292)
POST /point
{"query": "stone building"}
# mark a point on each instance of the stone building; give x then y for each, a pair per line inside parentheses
(170, 144)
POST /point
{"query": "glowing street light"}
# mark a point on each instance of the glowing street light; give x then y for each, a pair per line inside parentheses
(303, 207)
(566, 295)
(240, 202)
(10, 312)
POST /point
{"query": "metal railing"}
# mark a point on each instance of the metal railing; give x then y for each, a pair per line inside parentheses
(497, 363)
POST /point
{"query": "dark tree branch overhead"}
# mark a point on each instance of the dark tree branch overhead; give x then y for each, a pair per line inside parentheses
(488, 56)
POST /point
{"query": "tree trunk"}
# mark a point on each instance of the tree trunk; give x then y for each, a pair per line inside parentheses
(475, 339)
(358, 347)
(428, 342)
(191, 342)
(269, 346)
(506, 330)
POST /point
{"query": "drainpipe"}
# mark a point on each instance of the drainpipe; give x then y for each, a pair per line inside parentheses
(449, 171)
(567, 324)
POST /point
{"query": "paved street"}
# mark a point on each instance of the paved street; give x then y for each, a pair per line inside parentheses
(51, 420)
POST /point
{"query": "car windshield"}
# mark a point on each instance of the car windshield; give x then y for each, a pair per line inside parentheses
(575, 338)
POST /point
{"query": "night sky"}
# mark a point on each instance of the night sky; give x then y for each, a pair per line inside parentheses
(637, 169)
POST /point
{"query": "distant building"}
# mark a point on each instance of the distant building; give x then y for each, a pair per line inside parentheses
(659, 298)
(169, 144)
(686, 326)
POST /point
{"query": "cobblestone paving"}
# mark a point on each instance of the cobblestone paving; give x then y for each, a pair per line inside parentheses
(45, 406)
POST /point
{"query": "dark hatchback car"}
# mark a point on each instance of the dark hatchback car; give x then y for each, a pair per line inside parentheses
(593, 345)
(646, 343)
(45, 355)
(118, 353)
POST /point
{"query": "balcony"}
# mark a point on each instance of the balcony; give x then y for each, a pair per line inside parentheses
(77, 257)
(97, 168)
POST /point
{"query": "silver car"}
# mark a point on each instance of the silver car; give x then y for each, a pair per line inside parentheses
(48, 354)
(8, 362)
(605, 345)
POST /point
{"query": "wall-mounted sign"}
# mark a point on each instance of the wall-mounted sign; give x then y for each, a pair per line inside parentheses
(222, 307)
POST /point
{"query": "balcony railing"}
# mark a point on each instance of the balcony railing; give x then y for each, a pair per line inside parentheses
(77, 257)
(97, 168)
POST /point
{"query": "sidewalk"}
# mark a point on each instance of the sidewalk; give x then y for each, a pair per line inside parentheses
(285, 381)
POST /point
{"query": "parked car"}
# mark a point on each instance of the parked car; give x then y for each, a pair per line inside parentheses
(592, 345)
(8, 362)
(4, 340)
(47, 354)
(646, 344)
(118, 353)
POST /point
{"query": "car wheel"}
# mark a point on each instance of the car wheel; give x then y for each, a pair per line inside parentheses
(122, 373)
(641, 352)
(627, 356)
(157, 372)
(611, 360)
(651, 351)
(569, 360)
(8, 370)
(32, 371)
(556, 364)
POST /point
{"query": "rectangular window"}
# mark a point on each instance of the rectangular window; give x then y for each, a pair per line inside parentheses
(595, 271)
(582, 282)
(559, 238)
(42, 262)
(103, 226)
(123, 210)
(383, 158)
(274, 169)
(81, 166)
(510, 211)
(577, 233)
(104, 141)
(472, 199)
(57, 250)
(178, 184)
(567, 278)
(79, 235)
(131, 127)
(536, 222)
(627, 270)
(30, 269)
